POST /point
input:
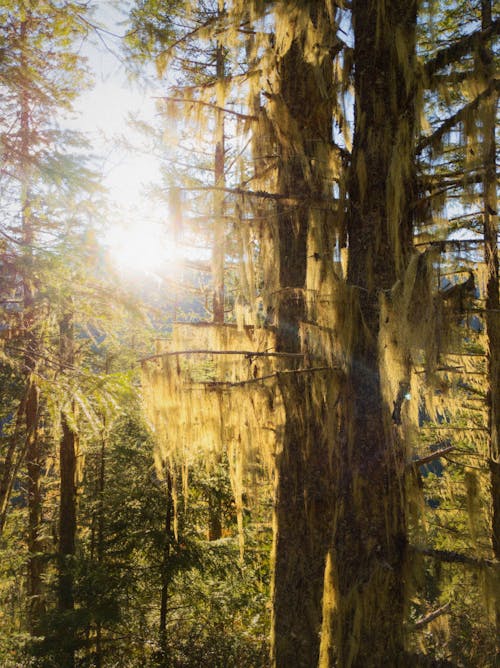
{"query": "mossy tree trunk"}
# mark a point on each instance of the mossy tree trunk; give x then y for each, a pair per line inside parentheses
(370, 533)
(490, 218)
(303, 118)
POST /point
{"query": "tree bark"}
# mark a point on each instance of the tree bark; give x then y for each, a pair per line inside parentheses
(218, 253)
(490, 227)
(34, 448)
(367, 564)
(67, 504)
(165, 573)
(302, 500)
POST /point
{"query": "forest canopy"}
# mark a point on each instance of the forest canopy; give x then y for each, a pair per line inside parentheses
(276, 444)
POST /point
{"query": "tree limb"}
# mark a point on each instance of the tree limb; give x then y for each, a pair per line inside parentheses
(432, 456)
(450, 557)
(423, 621)
(457, 117)
(460, 48)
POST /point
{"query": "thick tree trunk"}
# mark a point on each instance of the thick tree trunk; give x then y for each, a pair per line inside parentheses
(302, 510)
(367, 566)
(490, 218)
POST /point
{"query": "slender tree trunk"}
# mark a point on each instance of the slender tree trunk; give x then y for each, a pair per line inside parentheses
(98, 657)
(219, 241)
(67, 507)
(34, 464)
(302, 504)
(367, 565)
(219, 182)
(34, 449)
(165, 573)
(490, 218)
(12, 464)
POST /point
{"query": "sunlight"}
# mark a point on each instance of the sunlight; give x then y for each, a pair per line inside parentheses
(142, 247)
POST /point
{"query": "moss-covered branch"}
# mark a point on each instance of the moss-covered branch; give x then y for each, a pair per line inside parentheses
(457, 117)
(460, 48)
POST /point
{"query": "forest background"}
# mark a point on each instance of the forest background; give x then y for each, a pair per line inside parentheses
(278, 447)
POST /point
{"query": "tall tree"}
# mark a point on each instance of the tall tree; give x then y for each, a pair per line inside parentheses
(490, 230)
(41, 76)
(370, 531)
(300, 107)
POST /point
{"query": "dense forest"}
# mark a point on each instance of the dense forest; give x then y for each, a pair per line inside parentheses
(286, 453)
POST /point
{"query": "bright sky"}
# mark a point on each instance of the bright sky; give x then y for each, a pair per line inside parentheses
(136, 232)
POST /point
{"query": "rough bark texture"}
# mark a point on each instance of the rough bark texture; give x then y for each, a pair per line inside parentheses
(490, 217)
(369, 540)
(301, 517)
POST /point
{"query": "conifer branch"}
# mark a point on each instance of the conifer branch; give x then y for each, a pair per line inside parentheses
(203, 103)
(462, 113)
(451, 557)
(460, 48)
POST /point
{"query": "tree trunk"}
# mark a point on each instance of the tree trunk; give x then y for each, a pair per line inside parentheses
(490, 218)
(165, 574)
(98, 656)
(34, 463)
(302, 510)
(367, 563)
(67, 507)
(12, 463)
(34, 451)
(218, 253)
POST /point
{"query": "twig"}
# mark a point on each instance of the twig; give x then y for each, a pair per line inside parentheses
(276, 374)
(432, 456)
(246, 353)
(423, 621)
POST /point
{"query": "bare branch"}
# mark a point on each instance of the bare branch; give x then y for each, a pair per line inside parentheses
(431, 616)
(432, 456)
(245, 353)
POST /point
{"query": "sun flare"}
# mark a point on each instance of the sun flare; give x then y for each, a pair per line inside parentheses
(141, 247)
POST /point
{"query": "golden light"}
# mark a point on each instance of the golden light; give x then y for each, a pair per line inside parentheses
(142, 247)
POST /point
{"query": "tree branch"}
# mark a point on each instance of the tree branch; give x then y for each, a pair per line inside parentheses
(246, 353)
(259, 379)
(432, 456)
(450, 557)
(460, 48)
(457, 117)
(423, 621)
(181, 100)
